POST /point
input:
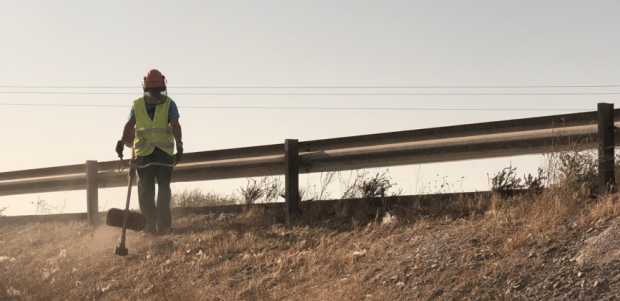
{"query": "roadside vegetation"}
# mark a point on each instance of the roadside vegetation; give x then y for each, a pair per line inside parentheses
(554, 239)
(354, 185)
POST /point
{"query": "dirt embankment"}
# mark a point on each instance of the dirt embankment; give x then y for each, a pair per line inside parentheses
(564, 251)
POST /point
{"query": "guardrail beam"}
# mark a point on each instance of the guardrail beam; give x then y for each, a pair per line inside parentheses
(477, 129)
(467, 142)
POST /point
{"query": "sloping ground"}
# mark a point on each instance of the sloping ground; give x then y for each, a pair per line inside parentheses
(549, 248)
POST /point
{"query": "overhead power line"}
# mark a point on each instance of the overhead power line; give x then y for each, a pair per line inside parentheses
(328, 87)
(301, 108)
(321, 94)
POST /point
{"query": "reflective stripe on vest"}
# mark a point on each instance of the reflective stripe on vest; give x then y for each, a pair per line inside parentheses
(155, 133)
(155, 144)
(154, 130)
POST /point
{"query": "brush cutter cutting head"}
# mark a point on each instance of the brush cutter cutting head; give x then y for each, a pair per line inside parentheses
(136, 221)
(121, 251)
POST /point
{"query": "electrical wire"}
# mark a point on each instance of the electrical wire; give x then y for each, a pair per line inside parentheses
(327, 87)
(302, 108)
(322, 94)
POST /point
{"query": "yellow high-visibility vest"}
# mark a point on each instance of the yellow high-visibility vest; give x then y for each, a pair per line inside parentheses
(152, 133)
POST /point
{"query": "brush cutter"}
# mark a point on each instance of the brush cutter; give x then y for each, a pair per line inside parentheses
(126, 219)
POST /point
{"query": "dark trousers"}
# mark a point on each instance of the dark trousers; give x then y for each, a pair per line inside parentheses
(157, 215)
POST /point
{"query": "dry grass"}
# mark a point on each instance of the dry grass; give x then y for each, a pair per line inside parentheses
(252, 257)
(478, 247)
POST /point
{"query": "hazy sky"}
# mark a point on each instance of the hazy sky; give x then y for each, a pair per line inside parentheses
(290, 43)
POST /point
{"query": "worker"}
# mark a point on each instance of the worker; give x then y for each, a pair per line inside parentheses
(152, 129)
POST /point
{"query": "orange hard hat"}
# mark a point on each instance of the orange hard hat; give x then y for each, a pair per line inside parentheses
(154, 79)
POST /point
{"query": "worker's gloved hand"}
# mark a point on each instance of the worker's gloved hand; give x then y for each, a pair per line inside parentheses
(179, 151)
(119, 148)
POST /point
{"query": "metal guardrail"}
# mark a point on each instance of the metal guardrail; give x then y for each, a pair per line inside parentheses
(453, 143)
(477, 129)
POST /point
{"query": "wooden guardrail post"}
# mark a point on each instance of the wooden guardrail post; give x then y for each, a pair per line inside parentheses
(92, 191)
(291, 179)
(606, 151)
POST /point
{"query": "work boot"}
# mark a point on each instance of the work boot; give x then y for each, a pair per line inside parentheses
(165, 231)
(150, 227)
(163, 225)
(149, 233)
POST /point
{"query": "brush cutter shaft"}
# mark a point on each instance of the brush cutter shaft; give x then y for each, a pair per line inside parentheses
(132, 175)
(138, 220)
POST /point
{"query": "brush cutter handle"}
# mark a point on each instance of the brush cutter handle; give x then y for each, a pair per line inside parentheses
(119, 148)
(179, 151)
